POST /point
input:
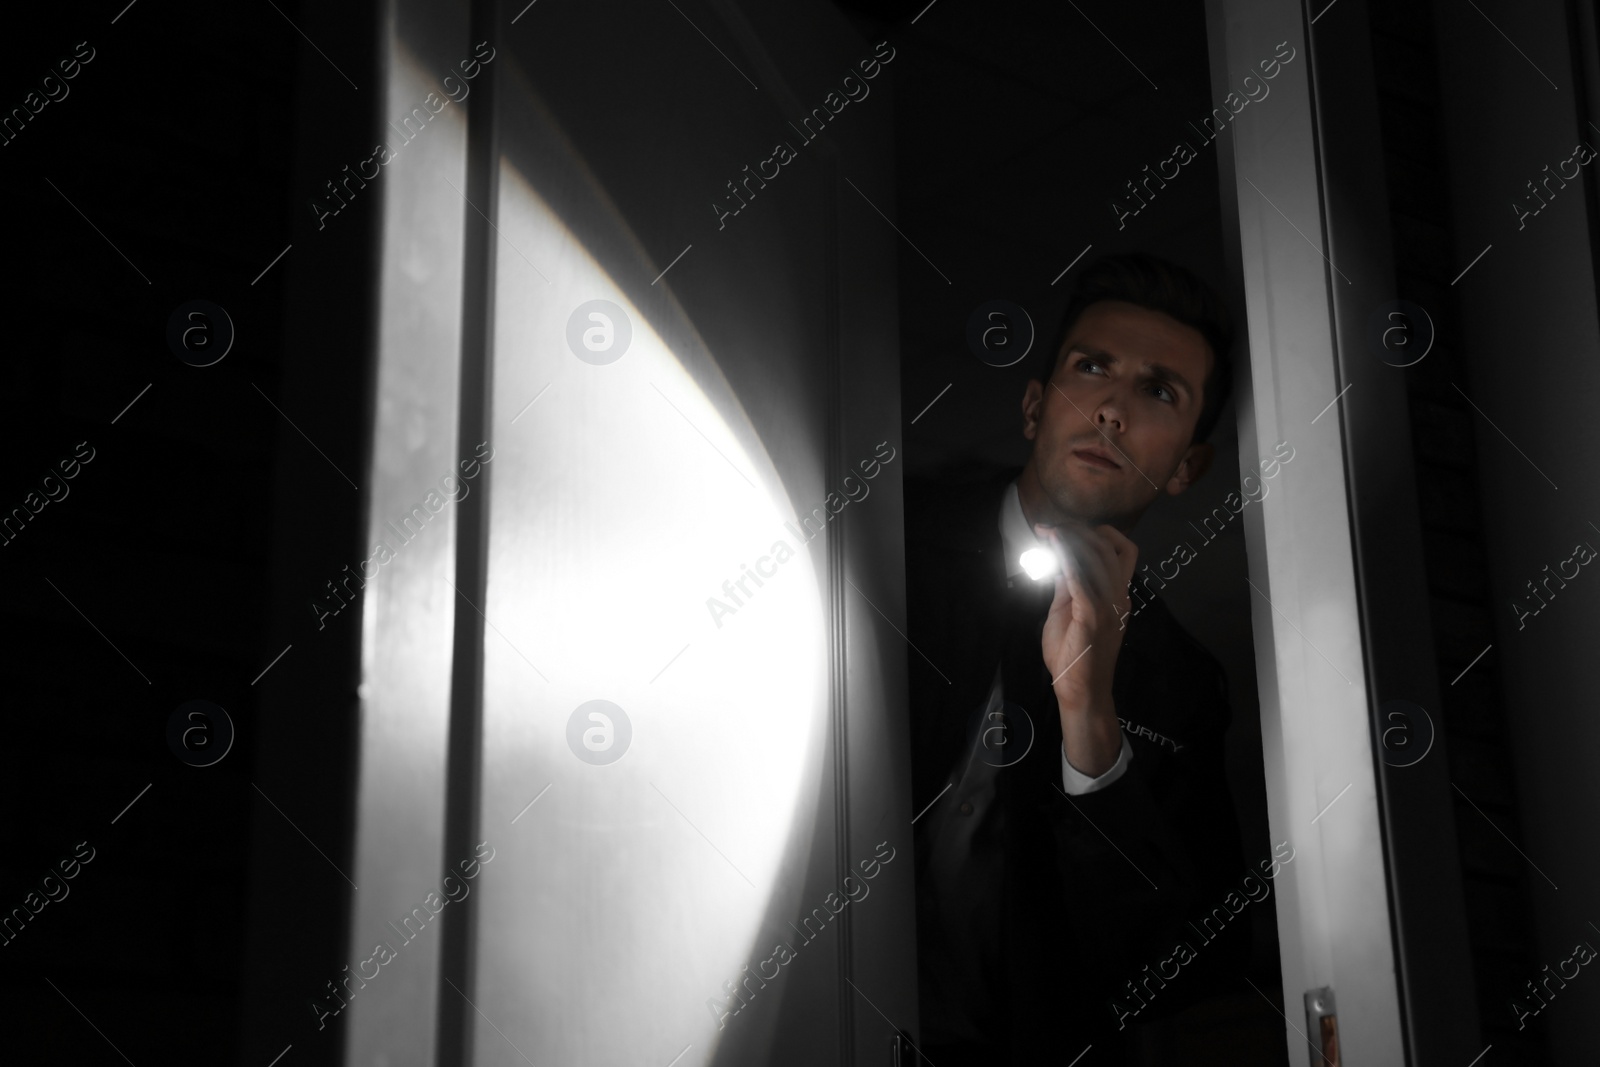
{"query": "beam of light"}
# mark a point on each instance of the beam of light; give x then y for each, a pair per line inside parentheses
(619, 504)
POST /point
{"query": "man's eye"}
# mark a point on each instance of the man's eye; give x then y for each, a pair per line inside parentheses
(1082, 363)
(1171, 397)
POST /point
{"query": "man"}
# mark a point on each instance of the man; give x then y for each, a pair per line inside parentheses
(1059, 855)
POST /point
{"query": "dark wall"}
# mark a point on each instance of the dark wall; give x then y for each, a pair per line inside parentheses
(1522, 737)
(1473, 725)
(180, 563)
(301, 813)
(158, 176)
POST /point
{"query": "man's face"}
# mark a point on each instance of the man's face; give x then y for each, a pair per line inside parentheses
(1128, 388)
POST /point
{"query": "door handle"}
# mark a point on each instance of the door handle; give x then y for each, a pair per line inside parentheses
(1322, 1024)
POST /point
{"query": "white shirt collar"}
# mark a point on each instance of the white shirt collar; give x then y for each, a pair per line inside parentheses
(1016, 536)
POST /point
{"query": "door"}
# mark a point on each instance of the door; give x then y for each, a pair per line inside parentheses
(634, 746)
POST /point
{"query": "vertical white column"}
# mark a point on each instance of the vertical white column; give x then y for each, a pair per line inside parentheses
(1333, 916)
(409, 605)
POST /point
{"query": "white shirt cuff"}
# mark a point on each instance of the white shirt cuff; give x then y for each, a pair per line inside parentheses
(1075, 782)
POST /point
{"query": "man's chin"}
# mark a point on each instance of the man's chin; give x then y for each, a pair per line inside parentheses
(1090, 511)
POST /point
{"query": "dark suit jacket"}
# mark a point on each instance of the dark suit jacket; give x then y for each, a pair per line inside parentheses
(1095, 886)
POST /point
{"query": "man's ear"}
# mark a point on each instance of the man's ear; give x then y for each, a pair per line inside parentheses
(1196, 461)
(1032, 407)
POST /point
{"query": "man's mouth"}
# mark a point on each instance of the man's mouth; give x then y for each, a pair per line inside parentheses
(1097, 458)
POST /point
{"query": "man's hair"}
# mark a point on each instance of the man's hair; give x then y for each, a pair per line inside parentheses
(1159, 285)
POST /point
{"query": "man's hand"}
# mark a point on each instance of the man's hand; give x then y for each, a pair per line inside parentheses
(1082, 636)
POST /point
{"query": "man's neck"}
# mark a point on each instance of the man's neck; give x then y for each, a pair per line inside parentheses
(1037, 507)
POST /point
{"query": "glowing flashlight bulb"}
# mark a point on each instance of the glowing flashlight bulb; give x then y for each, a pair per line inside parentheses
(1040, 563)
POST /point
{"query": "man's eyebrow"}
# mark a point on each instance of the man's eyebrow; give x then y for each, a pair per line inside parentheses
(1158, 371)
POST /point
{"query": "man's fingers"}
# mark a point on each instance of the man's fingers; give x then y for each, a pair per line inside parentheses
(1119, 542)
(1090, 554)
(1090, 567)
(1063, 597)
(1116, 553)
(1100, 562)
(1127, 553)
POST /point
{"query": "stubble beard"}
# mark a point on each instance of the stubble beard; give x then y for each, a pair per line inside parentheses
(1070, 498)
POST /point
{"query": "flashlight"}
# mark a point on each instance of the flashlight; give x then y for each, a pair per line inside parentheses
(1039, 563)
(1045, 561)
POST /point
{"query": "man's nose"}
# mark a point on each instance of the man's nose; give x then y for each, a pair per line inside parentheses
(1110, 412)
